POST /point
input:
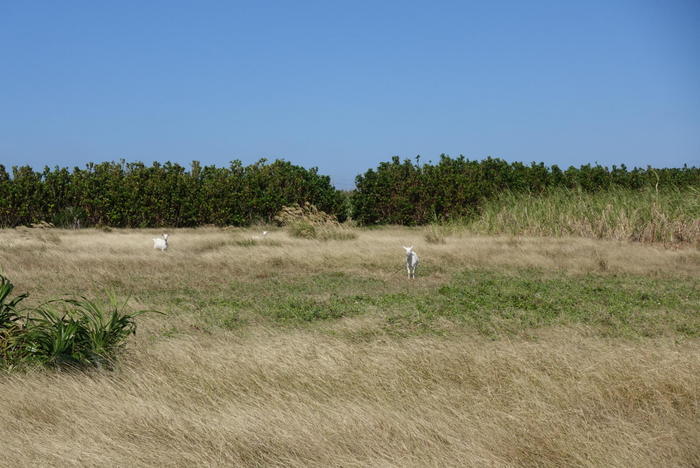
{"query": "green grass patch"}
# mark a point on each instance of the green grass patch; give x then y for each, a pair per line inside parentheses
(490, 303)
(497, 303)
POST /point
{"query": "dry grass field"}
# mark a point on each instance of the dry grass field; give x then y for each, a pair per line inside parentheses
(505, 351)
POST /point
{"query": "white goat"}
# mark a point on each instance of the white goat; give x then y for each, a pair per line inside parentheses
(161, 243)
(411, 261)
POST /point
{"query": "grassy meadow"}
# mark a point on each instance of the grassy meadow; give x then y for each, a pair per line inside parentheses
(283, 351)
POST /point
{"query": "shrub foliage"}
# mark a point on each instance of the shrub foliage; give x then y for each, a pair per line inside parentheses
(135, 195)
(397, 192)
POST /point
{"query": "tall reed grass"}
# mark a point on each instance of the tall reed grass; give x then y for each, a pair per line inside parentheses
(669, 216)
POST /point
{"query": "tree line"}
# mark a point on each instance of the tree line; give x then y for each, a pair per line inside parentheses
(131, 194)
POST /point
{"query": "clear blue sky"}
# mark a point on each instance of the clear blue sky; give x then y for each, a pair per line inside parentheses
(343, 85)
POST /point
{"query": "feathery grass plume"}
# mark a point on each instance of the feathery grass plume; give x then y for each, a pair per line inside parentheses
(308, 222)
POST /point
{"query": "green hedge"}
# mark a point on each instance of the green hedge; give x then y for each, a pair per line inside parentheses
(135, 195)
(396, 192)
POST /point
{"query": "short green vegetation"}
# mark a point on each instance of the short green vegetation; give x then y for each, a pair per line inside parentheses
(495, 303)
(485, 302)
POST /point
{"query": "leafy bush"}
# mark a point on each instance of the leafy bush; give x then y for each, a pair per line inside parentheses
(70, 217)
(135, 195)
(121, 194)
(66, 332)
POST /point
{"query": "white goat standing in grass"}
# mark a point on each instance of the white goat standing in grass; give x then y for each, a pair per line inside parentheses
(411, 261)
(161, 243)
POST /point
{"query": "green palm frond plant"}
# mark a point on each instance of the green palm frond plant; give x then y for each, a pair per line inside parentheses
(78, 332)
(103, 330)
(63, 332)
(8, 307)
(10, 325)
(49, 337)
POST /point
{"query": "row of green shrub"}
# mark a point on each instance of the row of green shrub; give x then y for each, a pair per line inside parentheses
(61, 333)
(396, 192)
(135, 195)
(410, 193)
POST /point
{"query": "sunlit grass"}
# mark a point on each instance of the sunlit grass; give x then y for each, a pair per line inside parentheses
(287, 351)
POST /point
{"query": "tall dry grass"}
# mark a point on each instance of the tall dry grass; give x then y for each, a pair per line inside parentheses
(300, 399)
(668, 216)
(326, 396)
(309, 222)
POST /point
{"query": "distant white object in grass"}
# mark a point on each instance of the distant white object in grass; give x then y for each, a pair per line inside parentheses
(161, 243)
(411, 261)
(265, 233)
